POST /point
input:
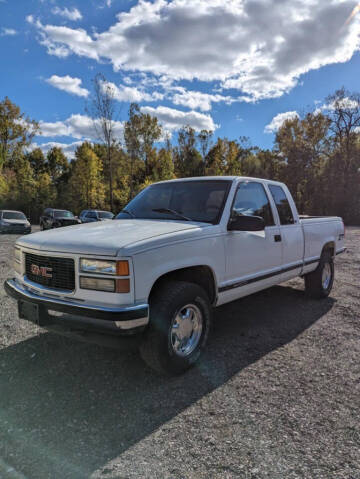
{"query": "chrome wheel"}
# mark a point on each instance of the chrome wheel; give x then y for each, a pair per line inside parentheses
(186, 330)
(326, 276)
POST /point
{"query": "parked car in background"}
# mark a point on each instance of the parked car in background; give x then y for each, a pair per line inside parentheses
(52, 218)
(90, 216)
(14, 222)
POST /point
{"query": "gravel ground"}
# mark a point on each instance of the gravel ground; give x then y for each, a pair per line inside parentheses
(276, 395)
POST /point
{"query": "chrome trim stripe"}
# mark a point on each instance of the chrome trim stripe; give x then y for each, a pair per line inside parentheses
(120, 314)
(239, 284)
(340, 251)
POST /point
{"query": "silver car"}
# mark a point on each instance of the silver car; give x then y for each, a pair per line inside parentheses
(14, 222)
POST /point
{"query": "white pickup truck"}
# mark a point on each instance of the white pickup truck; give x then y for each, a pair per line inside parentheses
(177, 250)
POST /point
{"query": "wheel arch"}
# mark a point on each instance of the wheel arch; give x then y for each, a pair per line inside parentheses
(329, 247)
(202, 275)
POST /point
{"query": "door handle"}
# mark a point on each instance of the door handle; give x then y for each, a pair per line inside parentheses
(277, 238)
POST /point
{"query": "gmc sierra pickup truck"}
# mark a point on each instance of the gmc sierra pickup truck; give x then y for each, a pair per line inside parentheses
(177, 250)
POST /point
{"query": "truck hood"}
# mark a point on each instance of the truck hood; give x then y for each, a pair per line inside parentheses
(107, 238)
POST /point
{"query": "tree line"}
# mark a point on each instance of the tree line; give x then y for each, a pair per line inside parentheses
(317, 156)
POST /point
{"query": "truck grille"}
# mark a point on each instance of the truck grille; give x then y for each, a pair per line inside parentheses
(55, 273)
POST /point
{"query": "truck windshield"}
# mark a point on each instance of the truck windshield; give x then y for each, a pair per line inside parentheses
(200, 201)
(63, 214)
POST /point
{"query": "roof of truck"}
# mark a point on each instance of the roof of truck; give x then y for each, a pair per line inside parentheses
(225, 178)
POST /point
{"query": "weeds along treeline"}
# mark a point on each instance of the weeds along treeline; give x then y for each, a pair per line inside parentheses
(317, 156)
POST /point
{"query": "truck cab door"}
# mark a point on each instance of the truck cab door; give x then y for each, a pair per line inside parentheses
(253, 258)
(291, 232)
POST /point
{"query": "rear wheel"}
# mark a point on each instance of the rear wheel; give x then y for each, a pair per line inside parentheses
(180, 319)
(319, 283)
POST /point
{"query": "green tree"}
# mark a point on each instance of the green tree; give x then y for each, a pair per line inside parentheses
(37, 161)
(16, 132)
(187, 159)
(141, 131)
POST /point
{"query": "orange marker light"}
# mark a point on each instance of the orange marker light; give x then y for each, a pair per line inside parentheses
(123, 286)
(122, 268)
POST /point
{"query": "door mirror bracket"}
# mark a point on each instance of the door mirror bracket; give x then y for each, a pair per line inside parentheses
(246, 223)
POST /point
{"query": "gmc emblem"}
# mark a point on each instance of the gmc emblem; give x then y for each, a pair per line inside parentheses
(41, 271)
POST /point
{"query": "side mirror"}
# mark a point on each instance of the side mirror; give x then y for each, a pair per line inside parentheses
(246, 223)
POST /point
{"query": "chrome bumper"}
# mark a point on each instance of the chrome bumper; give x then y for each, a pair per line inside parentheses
(124, 318)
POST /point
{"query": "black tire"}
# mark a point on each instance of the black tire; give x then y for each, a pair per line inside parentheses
(315, 286)
(41, 227)
(169, 301)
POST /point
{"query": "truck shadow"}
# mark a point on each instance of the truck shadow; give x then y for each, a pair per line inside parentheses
(68, 408)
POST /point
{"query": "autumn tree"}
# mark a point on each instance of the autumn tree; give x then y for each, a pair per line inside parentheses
(87, 188)
(343, 166)
(303, 143)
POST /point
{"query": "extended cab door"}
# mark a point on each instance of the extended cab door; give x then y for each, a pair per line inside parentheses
(291, 232)
(253, 258)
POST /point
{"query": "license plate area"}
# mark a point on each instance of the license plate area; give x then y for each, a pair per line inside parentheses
(29, 311)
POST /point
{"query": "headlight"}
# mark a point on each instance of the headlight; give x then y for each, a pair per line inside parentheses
(108, 285)
(17, 254)
(97, 266)
(4, 223)
(98, 284)
(17, 267)
(17, 260)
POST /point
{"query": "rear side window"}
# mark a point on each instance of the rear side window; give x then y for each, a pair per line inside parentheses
(282, 204)
(251, 200)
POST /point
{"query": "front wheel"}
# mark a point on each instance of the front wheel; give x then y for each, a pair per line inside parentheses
(319, 283)
(180, 319)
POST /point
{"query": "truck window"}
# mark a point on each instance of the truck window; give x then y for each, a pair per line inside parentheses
(282, 205)
(251, 200)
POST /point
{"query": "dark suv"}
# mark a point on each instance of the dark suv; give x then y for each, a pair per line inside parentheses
(89, 216)
(52, 218)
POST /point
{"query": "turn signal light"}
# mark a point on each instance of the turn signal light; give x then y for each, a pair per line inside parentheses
(123, 286)
(122, 268)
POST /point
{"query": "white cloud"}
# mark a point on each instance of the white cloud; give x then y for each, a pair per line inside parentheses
(258, 47)
(343, 103)
(69, 13)
(199, 100)
(173, 119)
(132, 94)
(77, 126)
(7, 32)
(279, 120)
(68, 84)
(68, 148)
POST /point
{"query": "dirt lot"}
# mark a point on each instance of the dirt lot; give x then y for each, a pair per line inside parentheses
(276, 396)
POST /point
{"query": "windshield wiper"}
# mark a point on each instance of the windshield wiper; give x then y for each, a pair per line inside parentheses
(129, 213)
(173, 212)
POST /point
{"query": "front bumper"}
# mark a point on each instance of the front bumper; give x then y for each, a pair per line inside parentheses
(126, 319)
(14, 230)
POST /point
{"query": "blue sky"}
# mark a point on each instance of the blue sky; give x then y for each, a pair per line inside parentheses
(239, 67)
